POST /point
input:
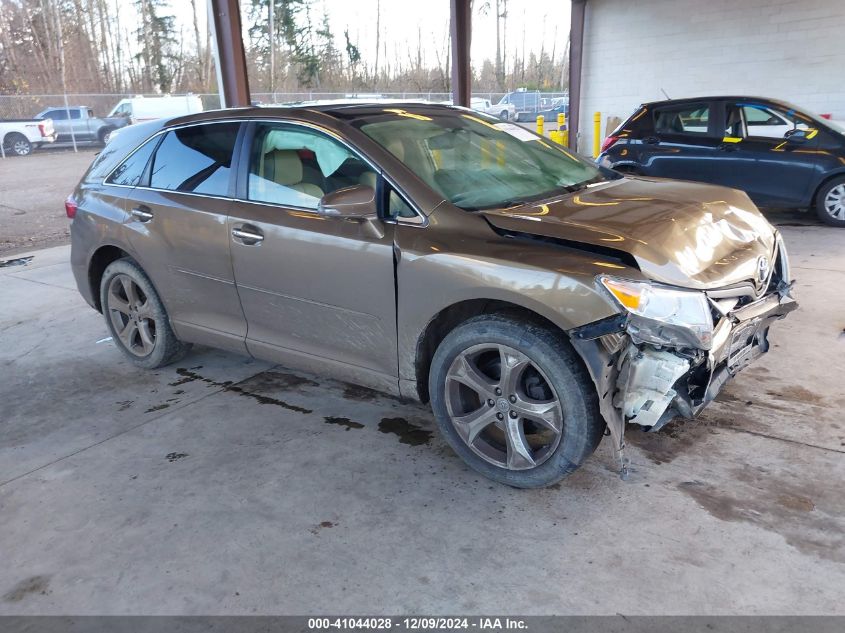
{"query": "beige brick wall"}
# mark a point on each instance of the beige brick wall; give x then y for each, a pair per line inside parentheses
(785, 49)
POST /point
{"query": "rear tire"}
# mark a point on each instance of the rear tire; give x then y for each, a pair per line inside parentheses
(104, 134)
(544, 420)
(18, 144)
(136, 318)
(830, 202)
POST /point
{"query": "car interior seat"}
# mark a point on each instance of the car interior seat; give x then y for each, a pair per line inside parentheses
(284, 167)
(734, 123)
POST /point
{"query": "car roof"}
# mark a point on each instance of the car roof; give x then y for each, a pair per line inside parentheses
(341, 110)
(716, 98)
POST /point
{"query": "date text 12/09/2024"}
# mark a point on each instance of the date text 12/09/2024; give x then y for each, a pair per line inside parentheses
(417, 623)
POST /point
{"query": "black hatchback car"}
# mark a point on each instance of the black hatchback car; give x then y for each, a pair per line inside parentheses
(780, 156)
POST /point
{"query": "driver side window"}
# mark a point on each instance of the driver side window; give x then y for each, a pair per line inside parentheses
(768, 122)
(296, 166)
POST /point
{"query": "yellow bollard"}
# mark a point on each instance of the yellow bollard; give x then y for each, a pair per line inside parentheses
(596, 134)
(554, 135)
(561, 127)
(540, 125)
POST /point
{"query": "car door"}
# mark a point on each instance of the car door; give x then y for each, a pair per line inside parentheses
(78, 125)
(682, 143)
(87, 124)
(61, 124)
(759, 158)
(177, 225)
(311, 286)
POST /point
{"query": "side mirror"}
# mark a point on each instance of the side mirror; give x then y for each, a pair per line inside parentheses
(796, 136)
(350, 203)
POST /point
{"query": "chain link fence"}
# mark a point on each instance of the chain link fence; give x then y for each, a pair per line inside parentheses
(28, 106)
(520, 105)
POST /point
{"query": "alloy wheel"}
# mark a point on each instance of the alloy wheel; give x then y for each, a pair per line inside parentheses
(503, 406)
(130, 312)
(21, 148)
(834, 202)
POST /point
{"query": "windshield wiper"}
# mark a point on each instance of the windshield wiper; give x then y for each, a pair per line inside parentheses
(504, 204)
(579, 186)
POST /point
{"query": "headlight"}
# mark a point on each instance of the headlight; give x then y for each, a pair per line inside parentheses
(783, 259)
(661, 315)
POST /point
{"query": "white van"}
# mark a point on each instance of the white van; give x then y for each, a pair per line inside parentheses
(139, 109)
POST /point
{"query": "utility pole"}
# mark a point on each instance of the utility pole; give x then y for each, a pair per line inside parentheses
(271, 33)
(61, 49)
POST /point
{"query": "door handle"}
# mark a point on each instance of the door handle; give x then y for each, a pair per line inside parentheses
(728, 147)
(248, 235)
(142, 213)
(651, 140)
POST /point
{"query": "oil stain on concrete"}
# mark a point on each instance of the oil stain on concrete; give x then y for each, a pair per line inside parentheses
(30, 586)
(243, 388)
(808, 518)
(322, 526)
(362, 394)
(673, 440)
(349, 424)
(408, 433)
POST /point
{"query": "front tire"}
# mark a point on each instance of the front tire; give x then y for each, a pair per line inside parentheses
(136, 318)
(504, 115)
(19, 144)
(830, 202)
(544, 419)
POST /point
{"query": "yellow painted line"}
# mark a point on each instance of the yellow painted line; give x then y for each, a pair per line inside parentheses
(410, 115)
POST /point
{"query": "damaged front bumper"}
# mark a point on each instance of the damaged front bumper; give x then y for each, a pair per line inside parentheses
(649, 384)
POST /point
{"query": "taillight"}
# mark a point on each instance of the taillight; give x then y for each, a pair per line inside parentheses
(43, 129)
(70, 208)
(608, 143)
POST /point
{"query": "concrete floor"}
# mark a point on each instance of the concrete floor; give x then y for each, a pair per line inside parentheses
(169, 492)
(34, 189)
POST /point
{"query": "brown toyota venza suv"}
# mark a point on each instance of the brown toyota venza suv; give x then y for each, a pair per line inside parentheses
(438, 254)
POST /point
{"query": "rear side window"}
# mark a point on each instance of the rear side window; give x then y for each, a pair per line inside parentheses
(195, 159)
(130, 171)
(56, 115)
(687, 119)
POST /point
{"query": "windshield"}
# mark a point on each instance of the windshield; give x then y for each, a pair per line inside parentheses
(476, 161)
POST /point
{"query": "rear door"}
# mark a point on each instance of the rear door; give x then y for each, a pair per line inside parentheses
(311, 285)
(177, 226)
(78, 124)
(683, 142)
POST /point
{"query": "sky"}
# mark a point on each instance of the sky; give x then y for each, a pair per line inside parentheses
(544, 23)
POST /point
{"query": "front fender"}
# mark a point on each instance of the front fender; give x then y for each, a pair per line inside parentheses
(559, 284)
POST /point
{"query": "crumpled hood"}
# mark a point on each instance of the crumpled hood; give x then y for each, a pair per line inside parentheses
(680, 233)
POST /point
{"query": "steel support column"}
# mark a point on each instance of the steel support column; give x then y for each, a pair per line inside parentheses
(231, 60)
(461, 32)
(576, 55)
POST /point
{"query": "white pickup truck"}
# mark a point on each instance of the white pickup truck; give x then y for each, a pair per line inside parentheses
(21, 136)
